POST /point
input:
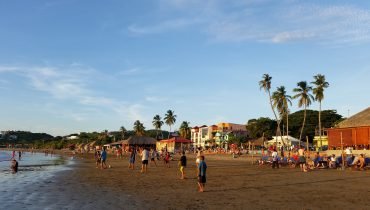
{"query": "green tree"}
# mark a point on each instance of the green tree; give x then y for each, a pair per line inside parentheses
(265, 84)
(281, 101)
(157, 123)
(320, 84)
(170, 119)
(260, 126)
(304, 99)
(139, 128)
(185, 130)
(123, 131)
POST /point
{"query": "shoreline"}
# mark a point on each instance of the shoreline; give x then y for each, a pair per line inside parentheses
(231, 183)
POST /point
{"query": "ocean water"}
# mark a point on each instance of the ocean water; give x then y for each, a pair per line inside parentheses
(33, 168)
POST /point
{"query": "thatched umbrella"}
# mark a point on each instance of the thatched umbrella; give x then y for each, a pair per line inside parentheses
(138, 140)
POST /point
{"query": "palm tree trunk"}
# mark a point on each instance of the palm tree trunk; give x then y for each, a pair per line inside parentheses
(169, 133)
(276, 118)
(320, 124)
(304, 121)
(287, 124)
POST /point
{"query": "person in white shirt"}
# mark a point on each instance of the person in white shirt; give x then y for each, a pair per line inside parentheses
(274, 156)
(144, 159)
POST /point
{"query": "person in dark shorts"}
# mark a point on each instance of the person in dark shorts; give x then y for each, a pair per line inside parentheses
(153, 156)
(202, 167)
(97, 158)
(182, 164)
(144, 159)
(103, 159)
(132, 158)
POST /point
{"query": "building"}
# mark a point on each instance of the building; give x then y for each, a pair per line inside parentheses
(216, 134)
(352, 131)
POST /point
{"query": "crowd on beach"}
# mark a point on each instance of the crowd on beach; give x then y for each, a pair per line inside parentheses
(151, 155)
(309, 160)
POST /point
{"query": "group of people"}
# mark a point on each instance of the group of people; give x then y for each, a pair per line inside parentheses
(318, 161)
(101, 159)
(152, 155)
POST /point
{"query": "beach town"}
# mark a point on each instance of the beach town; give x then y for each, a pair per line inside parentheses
(184, 104)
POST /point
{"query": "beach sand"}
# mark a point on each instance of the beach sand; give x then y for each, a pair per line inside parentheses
(231, 184)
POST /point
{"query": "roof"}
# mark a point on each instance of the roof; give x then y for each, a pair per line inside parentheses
(177, 140)
(139, 140)
(360, 119)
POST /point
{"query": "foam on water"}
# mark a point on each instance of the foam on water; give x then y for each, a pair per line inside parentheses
(33, 168)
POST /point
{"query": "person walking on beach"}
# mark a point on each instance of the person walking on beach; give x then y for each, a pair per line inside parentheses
(153, 156)
(202, 168)
(97, 158)
(103, 159)
(132, 158)
(19, 155)
(167, 159)
(182, 164)
(144, 159)
(274, 156)
(301, 158)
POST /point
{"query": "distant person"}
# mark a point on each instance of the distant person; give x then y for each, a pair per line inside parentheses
(301, 158)
(182, 164)
(144, 159)
(361, 162)
(19, 155)
(13, 154)
(132, 158)
(153, 156)
(275, 157)
(167, 159)
(14, 166)
(97, 158)
(103, 159)
(202, 168)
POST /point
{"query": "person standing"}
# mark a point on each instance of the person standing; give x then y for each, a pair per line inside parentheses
(274, 156)
(202, 168)
(144, 159)
(103, 159)
(153, 156)
(301, 158)
(97, 158)
(132, 158)
(182, 164)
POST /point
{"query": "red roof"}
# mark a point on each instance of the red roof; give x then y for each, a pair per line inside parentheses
(177, 140)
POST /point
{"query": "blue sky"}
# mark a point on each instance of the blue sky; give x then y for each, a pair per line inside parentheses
(70, 66)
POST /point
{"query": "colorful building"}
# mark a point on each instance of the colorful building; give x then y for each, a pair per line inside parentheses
(354, 131)
(216, 134)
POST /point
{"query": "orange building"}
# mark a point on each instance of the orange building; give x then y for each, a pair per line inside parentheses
(352, 131)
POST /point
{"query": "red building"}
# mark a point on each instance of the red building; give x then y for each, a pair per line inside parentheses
(353, 131)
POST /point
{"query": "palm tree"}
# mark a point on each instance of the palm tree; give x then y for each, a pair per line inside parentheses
(265, 84)
(281, 101)
(157, 123)
(320, 84)
(139, 128)
(170, 119)
(185, 129)
(123, 131)
(304, 99)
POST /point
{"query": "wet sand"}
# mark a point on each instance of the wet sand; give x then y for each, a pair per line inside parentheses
(231, 184)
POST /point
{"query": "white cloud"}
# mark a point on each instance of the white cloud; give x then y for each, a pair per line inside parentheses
(262, 21)
(155, 99)
(72, 84)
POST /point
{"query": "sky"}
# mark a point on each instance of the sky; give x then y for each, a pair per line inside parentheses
(70, 66)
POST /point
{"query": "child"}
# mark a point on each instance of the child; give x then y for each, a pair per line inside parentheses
(182, 164)
(14, 166)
